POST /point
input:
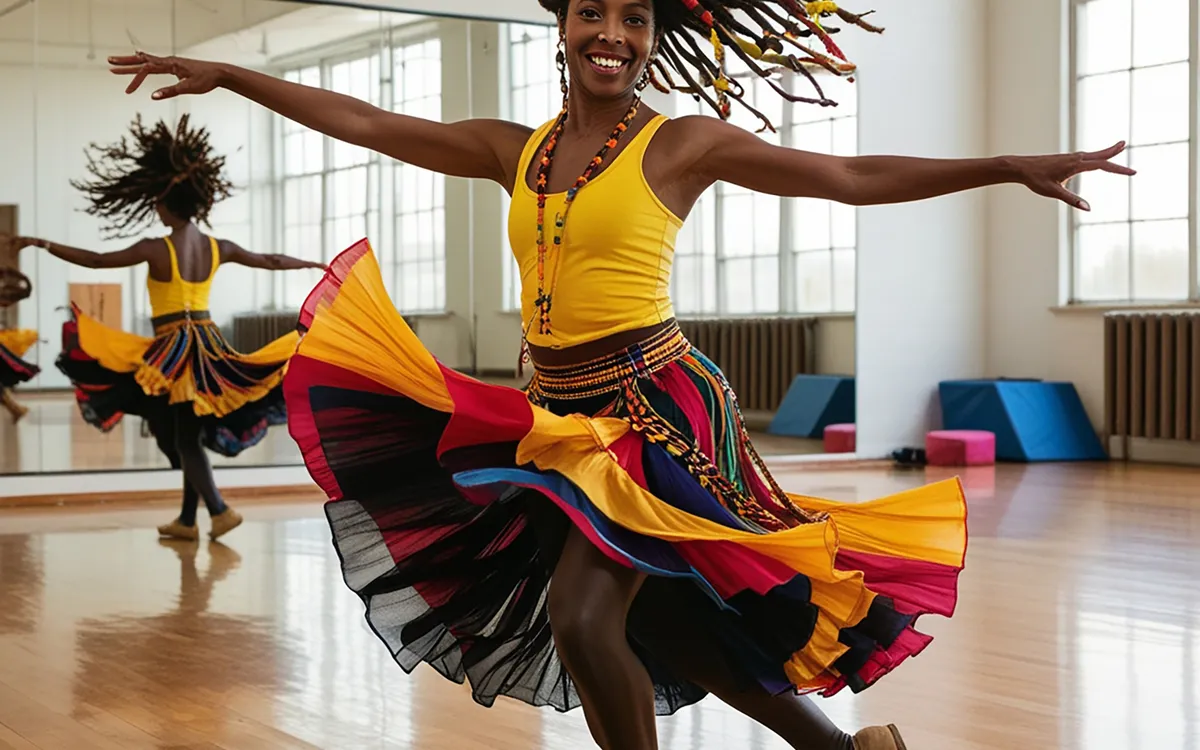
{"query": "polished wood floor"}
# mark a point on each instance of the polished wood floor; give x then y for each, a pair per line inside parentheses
(1078, 627)
(54, 438)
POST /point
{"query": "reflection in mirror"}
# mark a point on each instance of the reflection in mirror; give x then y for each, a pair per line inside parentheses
(766, 304)
(20, 352)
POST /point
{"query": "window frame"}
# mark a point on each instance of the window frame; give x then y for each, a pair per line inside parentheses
(382, 218)
(1070, 289)
(510, 290)
(786, 257)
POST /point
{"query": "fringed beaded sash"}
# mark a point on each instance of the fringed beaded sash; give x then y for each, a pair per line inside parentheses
(607, 374)
(622, 373)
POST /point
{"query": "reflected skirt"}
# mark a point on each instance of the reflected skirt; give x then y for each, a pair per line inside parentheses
(430, 475)
(13, 345)
(188, 363)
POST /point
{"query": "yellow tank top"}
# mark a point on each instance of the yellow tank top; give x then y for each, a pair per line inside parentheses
(178, 294)
(613, 270)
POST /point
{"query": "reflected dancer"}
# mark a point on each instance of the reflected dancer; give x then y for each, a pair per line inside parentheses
(193, 389)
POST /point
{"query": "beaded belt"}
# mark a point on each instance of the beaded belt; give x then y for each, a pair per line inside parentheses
(606, 374)
(170, 321)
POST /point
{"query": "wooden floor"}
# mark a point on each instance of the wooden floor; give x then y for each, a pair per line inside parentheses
(1078, 627)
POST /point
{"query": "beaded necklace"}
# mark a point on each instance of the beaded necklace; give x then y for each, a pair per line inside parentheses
(544, 298)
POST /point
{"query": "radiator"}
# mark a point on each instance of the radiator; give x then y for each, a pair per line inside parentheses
(1152, 375)
(255, 330)
(760, 356)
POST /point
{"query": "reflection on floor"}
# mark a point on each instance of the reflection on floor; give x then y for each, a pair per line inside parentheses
(54, 437)
(1078, 628)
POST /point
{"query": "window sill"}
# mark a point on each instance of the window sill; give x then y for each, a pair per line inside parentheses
(817, 316)
(443, 315)
(1101, 308)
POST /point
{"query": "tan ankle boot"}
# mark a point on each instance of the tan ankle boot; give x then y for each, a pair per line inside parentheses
(879, 738)
(176, 530)
(225, 522)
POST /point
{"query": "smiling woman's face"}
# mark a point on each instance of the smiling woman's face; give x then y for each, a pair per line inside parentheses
(608, 43)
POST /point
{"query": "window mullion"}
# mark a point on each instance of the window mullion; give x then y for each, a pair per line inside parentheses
(787, 214)
(1075, 43)
(1193, 139)
(326, 182)
(719, 245)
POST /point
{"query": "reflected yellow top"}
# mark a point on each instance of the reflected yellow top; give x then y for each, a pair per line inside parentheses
(613, 271)
(178, 294)
(18, 340)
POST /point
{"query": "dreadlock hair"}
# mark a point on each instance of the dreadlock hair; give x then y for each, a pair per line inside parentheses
(150, 167)
(767, 35)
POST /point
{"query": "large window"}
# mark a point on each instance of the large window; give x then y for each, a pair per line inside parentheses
(302, 189)
(334, 194)
(534, 98)
(744, 253)
(1132, 82)
(420, 195)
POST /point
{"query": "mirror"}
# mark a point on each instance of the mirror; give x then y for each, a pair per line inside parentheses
(742, 260)
(20, 448)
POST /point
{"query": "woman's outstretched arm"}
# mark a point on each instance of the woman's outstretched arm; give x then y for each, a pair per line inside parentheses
(721, 151)
(139, 252)
(233, 253)
(486, 149)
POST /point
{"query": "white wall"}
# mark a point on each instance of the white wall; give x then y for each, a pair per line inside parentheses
(1027, 270)
(920, 266)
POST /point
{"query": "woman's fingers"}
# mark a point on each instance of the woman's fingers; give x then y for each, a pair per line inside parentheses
(1106, 154)
(1059, 191)
(1108, 166)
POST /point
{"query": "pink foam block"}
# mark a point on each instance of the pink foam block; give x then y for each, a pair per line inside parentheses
(840, 438)
(960, 448)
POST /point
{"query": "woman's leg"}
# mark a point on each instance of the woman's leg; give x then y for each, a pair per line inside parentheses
(163, 428)
(589, 600)
(191, 503)
(197, 472)
(660, 622)
(15, 409)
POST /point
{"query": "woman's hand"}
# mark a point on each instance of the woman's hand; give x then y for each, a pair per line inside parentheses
(194, 76)
(15, 244)
(1047, 175)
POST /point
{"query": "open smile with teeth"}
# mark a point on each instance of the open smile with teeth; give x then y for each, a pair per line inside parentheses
(607, 65)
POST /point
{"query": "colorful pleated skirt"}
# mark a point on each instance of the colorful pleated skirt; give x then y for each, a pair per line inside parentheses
(434, 479)
(13, 369)
(188, 364)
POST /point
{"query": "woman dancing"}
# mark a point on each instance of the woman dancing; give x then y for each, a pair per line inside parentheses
(187, 382)
(610, 538)
(14, 287)
(14, 370)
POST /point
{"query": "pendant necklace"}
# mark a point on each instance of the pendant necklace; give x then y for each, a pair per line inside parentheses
(544, 299)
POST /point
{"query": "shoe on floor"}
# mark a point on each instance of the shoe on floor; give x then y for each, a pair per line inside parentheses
(176, 530)
(225, 522)
(879, 738)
